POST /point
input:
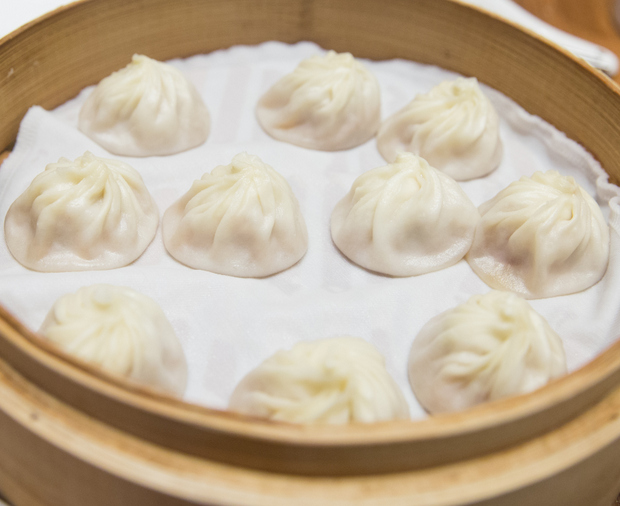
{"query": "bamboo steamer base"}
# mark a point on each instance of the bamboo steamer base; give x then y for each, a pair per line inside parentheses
(61, 457)
(574, 465)
(72, 436)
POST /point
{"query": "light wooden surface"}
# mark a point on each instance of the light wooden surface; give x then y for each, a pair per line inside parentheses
(76, 437)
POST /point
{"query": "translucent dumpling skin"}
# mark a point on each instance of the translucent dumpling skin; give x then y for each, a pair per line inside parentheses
(329, 381)
(454, 127)
(493, 346)
(542, 236)
(404, 219)
(147, 108)
(327, 103)
(90, 213)
(122, 331)
(241, 219)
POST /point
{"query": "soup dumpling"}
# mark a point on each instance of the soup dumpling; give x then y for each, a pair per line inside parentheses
(242, 219)
(122, 331)
(90, 213)
(329, 102)
(404, 219)
(329, 381)
(542, 236)
(147, 108)
(454, 127)
(492, 346)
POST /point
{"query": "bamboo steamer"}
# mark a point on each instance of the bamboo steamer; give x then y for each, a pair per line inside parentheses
(73, 436)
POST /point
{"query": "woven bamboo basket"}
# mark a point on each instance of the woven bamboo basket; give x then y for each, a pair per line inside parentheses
(72, 436)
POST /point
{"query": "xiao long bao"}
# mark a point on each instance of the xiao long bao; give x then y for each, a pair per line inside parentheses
(404, 219)
(147, 108)
(493, 346)
(542, 236)
(327, 103)
(454, 127)
(90, 213)
(122, 331)
(329, 381)
(242, 220)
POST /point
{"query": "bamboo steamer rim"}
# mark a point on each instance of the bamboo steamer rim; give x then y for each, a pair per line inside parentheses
(524, 416)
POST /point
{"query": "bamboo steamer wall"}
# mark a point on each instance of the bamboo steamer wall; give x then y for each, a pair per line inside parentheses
(73, 436)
